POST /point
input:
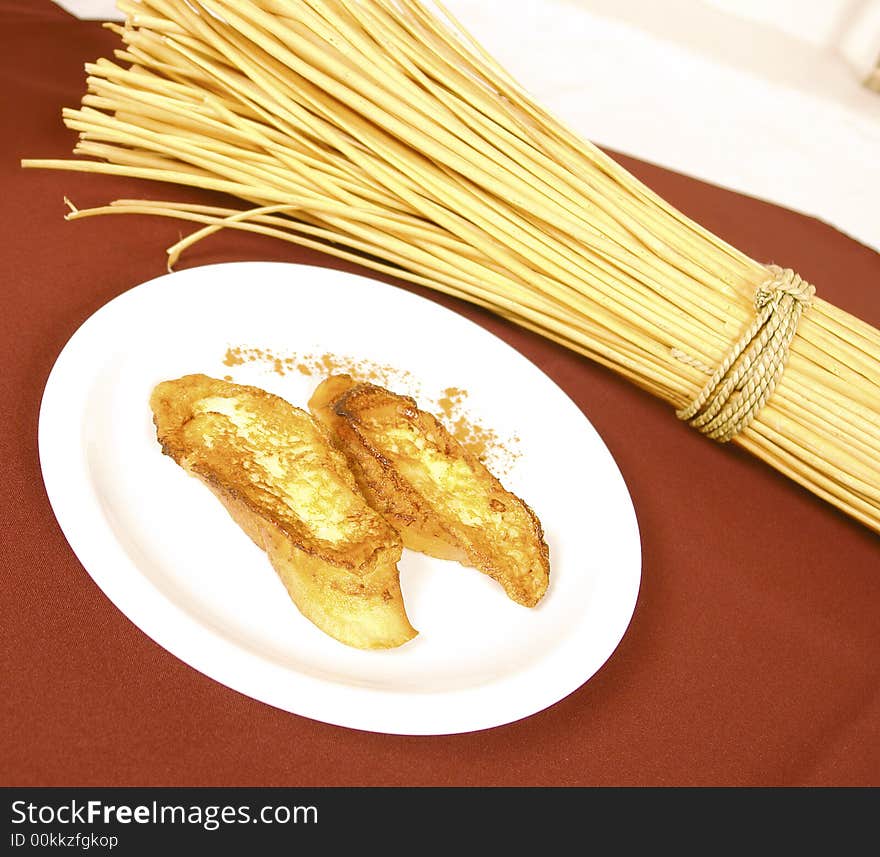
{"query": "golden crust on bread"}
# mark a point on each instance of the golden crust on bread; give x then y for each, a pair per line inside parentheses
(277, 472)
(438, 496)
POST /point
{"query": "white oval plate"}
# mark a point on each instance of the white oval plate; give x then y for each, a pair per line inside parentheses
(170, 558)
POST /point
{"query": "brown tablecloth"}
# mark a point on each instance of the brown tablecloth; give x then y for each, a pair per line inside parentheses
(751, 658)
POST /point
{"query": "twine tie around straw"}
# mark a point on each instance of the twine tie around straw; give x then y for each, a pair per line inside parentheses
(750, 371)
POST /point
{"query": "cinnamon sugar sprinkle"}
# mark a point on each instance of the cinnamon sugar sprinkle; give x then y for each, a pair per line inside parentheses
(497, 453)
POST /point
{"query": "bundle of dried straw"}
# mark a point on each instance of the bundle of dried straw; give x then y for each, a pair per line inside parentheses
(380, 132)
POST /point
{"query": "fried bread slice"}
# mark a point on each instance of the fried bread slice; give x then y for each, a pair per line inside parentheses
(277, 472)
(442, 499)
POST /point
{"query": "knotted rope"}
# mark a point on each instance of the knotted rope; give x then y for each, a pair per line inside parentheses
(750, 371)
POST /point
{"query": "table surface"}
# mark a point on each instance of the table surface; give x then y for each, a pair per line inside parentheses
(751, 657)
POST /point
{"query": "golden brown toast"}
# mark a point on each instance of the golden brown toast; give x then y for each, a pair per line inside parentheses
(441, 498)
(276, 470)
